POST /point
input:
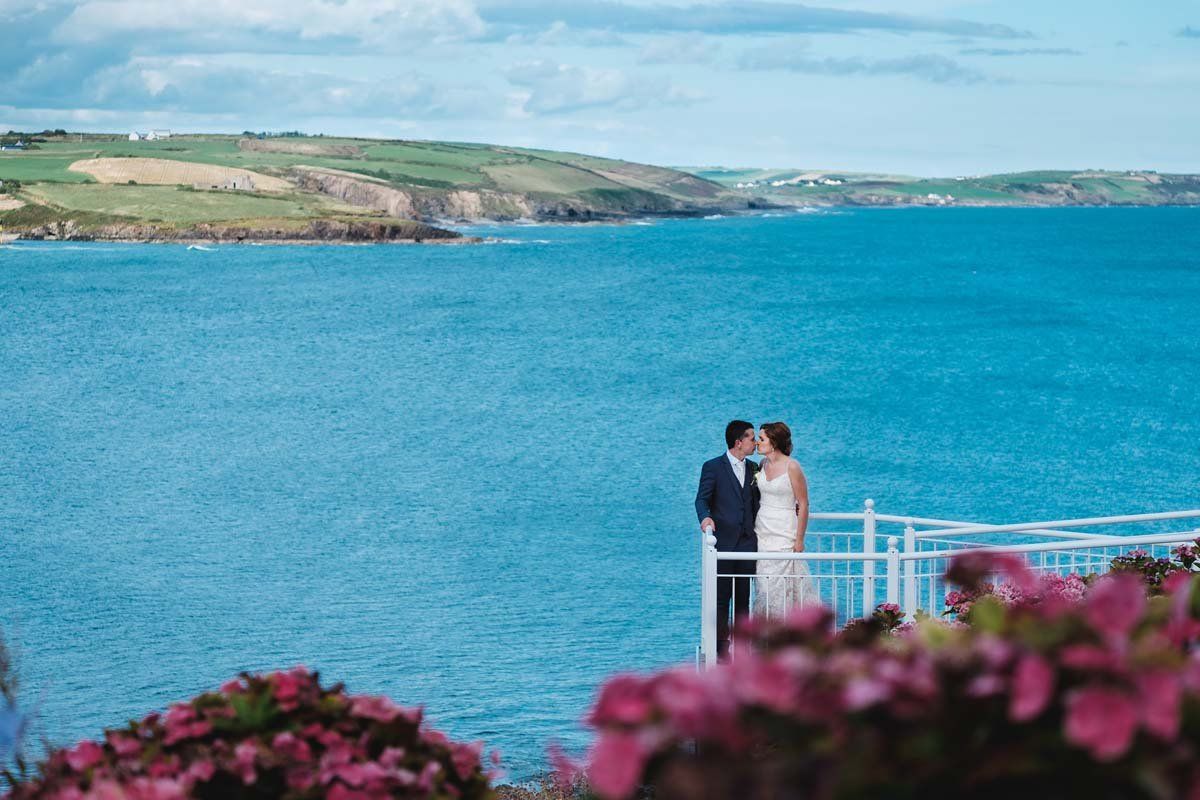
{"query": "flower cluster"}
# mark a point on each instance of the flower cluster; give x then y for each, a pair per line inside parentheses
(278, 735)
(1157, 571)
(1043, 588)
(1095, 696)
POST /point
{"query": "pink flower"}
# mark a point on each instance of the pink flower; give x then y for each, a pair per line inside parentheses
(124, 746)
(1116, 604)
(232, 687)
(300, 778)
(863, 691)
(291, 747)
(377, 708)
(1089, 657)
(391, 756)
(466, 758)
(1033, 684)
(1102, 720)
(970, 568)
(287, 686)
(84, 755)
(624, 700)
(616, 764)
(696, 703)
(1160, 695)
(155, 789)
(199, 772)
(765, 681)
(244, 755)
(566, 770)
(809, 619)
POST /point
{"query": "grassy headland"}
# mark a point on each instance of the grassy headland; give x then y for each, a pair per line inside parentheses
(106, 186)
(1043, 188)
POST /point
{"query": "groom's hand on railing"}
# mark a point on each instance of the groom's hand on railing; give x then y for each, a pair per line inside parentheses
(708, 525)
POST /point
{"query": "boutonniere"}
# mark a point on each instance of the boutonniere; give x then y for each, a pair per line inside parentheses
(757, 478)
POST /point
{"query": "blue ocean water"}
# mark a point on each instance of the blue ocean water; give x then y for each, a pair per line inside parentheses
(462, 476)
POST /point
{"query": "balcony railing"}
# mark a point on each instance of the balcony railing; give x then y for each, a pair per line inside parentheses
(879, 558)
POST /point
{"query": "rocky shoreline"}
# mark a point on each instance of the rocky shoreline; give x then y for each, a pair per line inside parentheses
(320, 231)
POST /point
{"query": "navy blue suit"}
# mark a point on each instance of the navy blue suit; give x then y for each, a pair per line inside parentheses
(733, 507)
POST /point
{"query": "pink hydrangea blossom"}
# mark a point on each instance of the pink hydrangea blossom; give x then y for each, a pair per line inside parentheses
(1159, 697)
(1115, 604)
(84, 755)
(1032, 687)
(244, 757)
(623, 700)
(1102, 720)
(616, 764)
(380, 708)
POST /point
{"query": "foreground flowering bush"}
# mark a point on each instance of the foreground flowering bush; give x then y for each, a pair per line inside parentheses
(1094, 696)
(276, 736)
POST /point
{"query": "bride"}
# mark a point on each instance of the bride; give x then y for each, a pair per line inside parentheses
(780, 526)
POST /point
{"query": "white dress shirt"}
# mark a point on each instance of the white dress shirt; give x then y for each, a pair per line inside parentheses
(739, 467)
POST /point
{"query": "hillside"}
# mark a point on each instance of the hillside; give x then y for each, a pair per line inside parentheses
(177, 185)
(1045, 188)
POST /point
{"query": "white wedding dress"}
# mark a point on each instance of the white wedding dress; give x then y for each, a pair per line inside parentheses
(780, 585)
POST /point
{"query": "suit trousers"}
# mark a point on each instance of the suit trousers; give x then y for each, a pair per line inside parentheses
(736, 589)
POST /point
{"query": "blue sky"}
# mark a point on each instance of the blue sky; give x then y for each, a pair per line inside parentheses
(929, 87)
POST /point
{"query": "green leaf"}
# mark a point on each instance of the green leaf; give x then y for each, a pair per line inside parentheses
(987, 615)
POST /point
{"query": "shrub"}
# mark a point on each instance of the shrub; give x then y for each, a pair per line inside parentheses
(1092, 697)
(273, 736)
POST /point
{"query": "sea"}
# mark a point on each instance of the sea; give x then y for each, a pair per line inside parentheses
(463, 476)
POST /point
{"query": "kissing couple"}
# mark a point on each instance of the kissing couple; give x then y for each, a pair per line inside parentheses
(756, 507)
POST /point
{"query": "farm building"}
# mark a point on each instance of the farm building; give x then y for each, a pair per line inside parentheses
(237, 183)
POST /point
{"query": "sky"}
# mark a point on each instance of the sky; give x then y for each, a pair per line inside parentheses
(922, 87)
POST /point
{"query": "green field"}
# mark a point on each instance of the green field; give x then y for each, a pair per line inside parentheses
(177, 205)
(403, 164)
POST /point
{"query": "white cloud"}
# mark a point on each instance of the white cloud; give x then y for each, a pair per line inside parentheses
(552, 88)
(686, 48)
(371, 22)
(560, 34)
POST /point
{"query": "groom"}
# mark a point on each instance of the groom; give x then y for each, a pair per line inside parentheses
(727, 502)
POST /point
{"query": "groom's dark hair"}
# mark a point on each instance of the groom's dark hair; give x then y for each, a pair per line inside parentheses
(734, 431)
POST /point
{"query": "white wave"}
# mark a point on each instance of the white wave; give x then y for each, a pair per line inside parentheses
(493, 240)
(201, 248)
(715, 216)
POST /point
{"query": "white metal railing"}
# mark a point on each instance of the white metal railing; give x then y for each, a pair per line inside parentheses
(852, 571)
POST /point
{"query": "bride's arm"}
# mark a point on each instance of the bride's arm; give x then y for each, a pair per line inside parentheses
(800, 490)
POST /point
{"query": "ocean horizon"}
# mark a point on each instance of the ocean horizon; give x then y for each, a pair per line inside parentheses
(463, 476)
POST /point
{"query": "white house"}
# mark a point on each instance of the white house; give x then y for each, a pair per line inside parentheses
(155, 135)
(135, 137)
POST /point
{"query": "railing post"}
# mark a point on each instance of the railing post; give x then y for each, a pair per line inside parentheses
(868, 564)
(708, 601)
(893, 571)
(910, 569)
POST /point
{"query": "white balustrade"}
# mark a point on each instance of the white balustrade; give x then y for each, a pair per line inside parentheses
(844, 565)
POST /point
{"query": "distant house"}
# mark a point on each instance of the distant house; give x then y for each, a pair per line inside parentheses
(18, 145)
(238, 183)
(136, 137)
(157, 134)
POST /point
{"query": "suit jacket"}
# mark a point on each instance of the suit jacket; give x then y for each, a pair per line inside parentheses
(732, 507)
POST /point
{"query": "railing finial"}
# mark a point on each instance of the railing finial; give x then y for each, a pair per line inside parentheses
(868, 504)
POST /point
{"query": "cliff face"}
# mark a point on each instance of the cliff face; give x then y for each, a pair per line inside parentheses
(481, 204)
(321, 230)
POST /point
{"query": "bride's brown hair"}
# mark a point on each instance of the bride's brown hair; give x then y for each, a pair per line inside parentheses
(780, 435)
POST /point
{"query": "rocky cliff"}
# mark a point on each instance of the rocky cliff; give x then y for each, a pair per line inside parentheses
(479, 204)
(320, 230)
